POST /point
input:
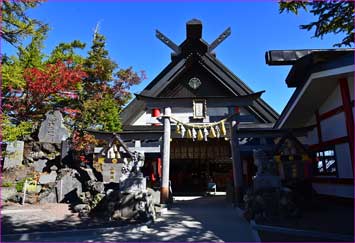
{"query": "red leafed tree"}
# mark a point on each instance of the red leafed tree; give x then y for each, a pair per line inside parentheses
(43, 90)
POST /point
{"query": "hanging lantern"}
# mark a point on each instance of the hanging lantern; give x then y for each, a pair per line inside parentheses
(223, 128)
(237, 109)
(199, 135)
(155, 112)
(212, 133)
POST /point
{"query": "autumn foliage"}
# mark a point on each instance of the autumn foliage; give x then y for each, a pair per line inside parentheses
(43, 87)
(53, 79)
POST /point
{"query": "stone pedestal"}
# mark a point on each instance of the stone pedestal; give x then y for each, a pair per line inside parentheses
(266, 177)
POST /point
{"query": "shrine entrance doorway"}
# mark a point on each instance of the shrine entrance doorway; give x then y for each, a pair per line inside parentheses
(196, 163)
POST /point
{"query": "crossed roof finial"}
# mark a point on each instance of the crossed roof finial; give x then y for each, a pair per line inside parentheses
(193, 32)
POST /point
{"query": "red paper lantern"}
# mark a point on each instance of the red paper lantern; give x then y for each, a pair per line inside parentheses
(155, 112)
(236, 109)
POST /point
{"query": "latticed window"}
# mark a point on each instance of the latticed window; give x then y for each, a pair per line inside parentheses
(326, 162)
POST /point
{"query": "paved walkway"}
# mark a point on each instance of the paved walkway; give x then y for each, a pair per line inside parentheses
(200, 219)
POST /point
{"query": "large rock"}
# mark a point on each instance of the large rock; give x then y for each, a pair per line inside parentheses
(48, 147)
(40, 164)
(155, 194)
(266, 182)
(48, 178)
(68, 187)
(133, 184)
(81, 207)
(7, 193)
(14, 154)
(27, 138)
(36, 147)
(52, 129)
(53, 168)
(48, 198)
(38, 155)
(98, 187)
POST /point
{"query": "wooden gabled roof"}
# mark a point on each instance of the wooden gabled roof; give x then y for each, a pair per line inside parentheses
(194, 57)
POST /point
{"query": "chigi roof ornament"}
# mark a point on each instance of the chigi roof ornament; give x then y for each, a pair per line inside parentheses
(193, 33)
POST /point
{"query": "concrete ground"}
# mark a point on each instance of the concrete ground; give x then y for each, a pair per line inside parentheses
(190, 219)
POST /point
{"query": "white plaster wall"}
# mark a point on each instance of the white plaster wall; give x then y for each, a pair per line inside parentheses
(344, 163)
(217, 111)
(142, 119)
(182, 114)
(312, 136)
(333, 101)
(334, 190)
(333, 127)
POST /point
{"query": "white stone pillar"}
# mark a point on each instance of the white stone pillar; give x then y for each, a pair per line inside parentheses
(164, 191)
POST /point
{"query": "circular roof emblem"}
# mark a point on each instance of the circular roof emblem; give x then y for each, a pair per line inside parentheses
(194, 83)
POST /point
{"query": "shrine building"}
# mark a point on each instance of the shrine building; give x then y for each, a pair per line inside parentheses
(198, 101)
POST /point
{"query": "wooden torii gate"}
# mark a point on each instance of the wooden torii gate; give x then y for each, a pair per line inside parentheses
(165, 103)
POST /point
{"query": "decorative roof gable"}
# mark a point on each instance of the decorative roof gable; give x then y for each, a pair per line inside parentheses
(194, 59)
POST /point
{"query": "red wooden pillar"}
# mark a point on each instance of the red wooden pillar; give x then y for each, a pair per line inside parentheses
(159, 167)
(345, 95)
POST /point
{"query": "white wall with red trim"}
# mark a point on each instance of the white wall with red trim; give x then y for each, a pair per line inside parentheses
(333, 129)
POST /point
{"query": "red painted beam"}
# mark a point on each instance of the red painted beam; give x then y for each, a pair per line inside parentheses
(339, 181)
(331, 113)
(329, 143)
(347, 104)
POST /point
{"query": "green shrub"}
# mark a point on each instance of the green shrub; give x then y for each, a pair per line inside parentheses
(7, 184)
(20, 184)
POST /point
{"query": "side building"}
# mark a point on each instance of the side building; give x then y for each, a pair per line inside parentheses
(323, 98)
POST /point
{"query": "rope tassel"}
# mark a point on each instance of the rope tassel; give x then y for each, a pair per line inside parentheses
(223, 129)
(212, 133)
(199, 135)
(189, 133)
(178, 128)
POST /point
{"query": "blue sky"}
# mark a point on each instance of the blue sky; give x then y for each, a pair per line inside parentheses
(130, 31)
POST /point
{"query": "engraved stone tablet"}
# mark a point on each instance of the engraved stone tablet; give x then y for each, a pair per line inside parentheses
(14, 154)
(52, 129)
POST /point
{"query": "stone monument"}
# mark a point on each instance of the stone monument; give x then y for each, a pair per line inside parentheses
(14, 154)
(52, 129)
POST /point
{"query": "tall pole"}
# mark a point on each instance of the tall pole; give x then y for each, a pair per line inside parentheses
(237, 164)
(164, 191)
